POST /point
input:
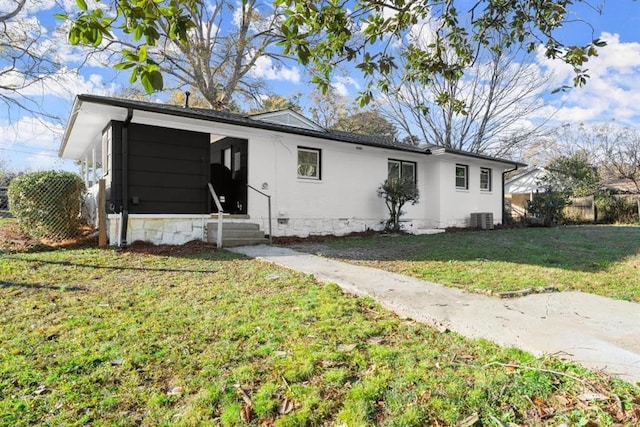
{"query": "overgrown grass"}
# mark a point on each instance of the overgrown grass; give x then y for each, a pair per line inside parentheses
(603, 260)
(98, 337)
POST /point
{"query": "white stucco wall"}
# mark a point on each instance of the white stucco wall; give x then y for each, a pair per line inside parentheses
(456, 205)
(342, 201)
(345, 198)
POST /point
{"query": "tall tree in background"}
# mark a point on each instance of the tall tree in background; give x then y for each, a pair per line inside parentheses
(211, 46)
(483, 112)
(332, 110)
(328, 108)
(575, 174)
(225, 44)
(614, 149)
(619, 150)
(196, 100)
(325, 34)
(368, 122)
(276, 103)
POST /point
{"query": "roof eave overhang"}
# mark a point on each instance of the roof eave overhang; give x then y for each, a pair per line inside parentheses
(451, 151)
(81, 132)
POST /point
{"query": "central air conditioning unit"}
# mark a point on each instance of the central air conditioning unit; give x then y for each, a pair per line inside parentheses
(483, 220)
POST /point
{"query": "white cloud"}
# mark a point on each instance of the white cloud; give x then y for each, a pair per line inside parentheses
(30, 7)
(341, 85)
(612, 89)
(31, 133)
(264, 68)
(341, 88)
(31, 144)
(422, 33)
(65, 83)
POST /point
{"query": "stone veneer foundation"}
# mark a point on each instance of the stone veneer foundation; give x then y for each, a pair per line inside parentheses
(179, 229)
(160, 228)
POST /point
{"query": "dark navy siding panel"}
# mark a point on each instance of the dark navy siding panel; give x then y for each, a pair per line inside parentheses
(168, 170)
(114, 192)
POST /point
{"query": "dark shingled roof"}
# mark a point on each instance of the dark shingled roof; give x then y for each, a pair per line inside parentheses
(246, 120)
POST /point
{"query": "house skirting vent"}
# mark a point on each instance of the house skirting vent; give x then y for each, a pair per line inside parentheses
(483, 220)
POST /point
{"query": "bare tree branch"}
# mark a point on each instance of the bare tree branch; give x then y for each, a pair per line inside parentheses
(13, 13)
(25, 61)
(218, 58)
(498, 92)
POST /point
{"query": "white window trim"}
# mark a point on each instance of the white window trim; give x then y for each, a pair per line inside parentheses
(318, 164)
(490, 179)
(466, 176)
(107, 152)
(400, 163)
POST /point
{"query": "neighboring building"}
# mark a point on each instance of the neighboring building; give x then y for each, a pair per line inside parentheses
(520, 188)
(621, 186)
(157, 161)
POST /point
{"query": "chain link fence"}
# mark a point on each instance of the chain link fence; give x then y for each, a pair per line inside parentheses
(47, 204)
(4, 203)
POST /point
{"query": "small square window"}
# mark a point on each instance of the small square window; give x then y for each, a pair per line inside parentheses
(485, 179)
(308, 163)
(461, 177)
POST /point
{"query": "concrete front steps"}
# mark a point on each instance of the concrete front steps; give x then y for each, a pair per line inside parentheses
(236, 234)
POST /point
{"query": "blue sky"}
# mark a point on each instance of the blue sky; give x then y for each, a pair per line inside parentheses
(612, 93)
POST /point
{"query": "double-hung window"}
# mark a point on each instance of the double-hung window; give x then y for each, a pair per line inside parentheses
(485, 179)
(401, 170)
(462, 177)
(309, 163)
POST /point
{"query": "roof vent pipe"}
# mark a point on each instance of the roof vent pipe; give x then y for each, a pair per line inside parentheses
(186, 99)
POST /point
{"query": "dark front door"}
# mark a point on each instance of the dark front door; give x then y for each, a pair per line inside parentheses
(229, 174)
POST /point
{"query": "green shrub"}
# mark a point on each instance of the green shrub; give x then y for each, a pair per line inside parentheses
(547, 208)
(612, 209)
(47, 204)
(396, 193)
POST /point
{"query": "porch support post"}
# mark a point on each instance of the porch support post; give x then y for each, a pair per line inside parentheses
(93, 165)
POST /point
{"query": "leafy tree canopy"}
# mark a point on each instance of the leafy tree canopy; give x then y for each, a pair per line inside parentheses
(574, 174)
(367, 33)
(276, 103)
(144, 20)
(368, 122)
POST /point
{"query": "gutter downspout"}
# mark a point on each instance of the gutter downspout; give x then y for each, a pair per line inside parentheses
(504, 210)
(125, 178)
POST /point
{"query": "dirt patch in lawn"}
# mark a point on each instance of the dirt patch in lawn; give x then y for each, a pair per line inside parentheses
(14, 239)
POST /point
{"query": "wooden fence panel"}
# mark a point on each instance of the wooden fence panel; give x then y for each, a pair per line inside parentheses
(581, 209)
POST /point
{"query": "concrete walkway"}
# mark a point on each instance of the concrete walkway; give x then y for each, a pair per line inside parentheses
(596, 332)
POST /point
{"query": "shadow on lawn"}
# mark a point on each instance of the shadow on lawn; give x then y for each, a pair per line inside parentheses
(579, 248)
(39, 286)
(71, 264)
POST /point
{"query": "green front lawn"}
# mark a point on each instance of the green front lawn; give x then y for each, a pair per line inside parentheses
(100, 337)
(603, 260)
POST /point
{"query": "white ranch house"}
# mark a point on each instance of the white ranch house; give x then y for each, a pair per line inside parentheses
(158, 161)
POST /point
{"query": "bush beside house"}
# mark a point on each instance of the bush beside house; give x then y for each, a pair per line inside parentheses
(396, 193)
(47, 204)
